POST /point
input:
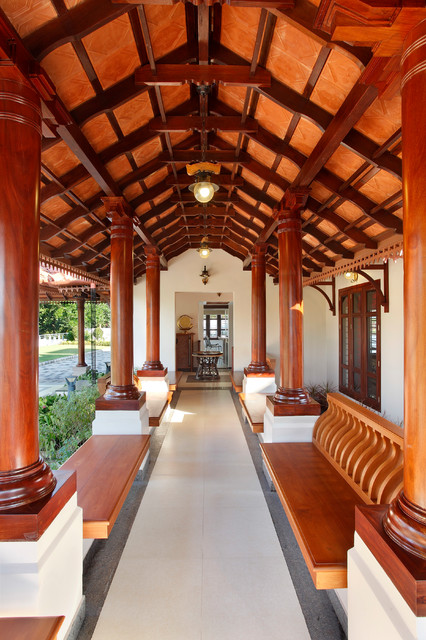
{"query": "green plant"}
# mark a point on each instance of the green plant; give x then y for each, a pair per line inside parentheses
(65, 425)
(319, 392)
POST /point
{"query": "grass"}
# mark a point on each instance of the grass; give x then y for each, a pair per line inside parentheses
(60, 351)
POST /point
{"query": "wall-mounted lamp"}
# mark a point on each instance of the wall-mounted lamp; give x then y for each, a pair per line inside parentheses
(203, 188)
(204, 249)
(205, 275)
(351, 275)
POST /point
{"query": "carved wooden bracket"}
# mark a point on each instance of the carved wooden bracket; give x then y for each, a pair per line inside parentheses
(383, 295)
(331, 301)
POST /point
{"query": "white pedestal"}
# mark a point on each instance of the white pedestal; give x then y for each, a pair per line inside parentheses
(112, 422)
(155, 384)
(376, 609)
(79, 371)
(259, 384)
(44, 578)
(287, 428)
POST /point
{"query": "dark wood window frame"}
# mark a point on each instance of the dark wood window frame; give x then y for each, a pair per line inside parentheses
(359, 344)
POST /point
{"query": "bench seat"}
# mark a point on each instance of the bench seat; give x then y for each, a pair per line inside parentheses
(174, 377)
(320, 506)
(43, 628)
(106, 467)
(254, 407)
(355, 458)
(157, 403)
(237, 378)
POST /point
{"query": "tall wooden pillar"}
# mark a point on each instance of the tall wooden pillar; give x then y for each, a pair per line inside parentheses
(80, 329)
(122, 393)
(24, 477)
(405, 521)
(152, 366)
(291, 398)
(258, 362)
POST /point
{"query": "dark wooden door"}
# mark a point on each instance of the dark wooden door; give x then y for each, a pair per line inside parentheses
(184, 351)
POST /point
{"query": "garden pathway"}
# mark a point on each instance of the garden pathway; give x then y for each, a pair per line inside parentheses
(52, 373)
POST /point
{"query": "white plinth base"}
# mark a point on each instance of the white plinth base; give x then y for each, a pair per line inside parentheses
(376, 608)
(154, 384)
(79, 371)
(44, 578)
(121, 422)
(287, 428)
(261, 384)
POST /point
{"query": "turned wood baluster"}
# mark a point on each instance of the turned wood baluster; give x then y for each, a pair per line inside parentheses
(152, 362)
(291, 389)
(24, 477)
(80, 329)
(258, 362)
(121, 294)
(406, 519)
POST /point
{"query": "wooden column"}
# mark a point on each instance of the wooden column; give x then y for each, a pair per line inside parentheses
(291, 398)
(80, 329)
(152, 366)
(122, 393)
(258, 362)
(405, 522)
(24, 477)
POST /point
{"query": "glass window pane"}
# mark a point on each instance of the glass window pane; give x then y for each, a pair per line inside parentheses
(345, 381)
(357, 342)
(345, 341)
(357, 382)
(371, 300)
(372, 388)
(345, 305)
(356, 299)
(372, 344)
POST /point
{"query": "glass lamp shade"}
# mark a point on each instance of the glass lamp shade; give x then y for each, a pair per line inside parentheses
(204, 251)
(204, 191)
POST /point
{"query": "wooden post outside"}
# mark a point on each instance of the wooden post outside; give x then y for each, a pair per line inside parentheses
(24, 476)
(291, 398)
(80, 329)
(152, 366)
(405, 521)
(122, 393)
(258, 364)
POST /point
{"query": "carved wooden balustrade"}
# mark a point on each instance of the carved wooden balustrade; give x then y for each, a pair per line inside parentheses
(366, 449)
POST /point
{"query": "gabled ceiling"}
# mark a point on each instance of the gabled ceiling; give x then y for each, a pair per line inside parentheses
(288, 106)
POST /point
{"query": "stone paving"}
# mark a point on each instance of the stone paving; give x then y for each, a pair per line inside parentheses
(52, 373)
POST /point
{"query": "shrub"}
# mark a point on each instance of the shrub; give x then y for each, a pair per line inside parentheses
(65, 425)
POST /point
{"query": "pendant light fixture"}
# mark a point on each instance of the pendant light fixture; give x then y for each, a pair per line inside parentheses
(204, 249)
(203, 188)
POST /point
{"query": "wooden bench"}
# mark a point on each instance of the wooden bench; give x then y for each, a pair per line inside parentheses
(157, 403)
(106, 467)
(174, 377)
(237, 378)
(254, 406)
(45, 628)
(355, 458)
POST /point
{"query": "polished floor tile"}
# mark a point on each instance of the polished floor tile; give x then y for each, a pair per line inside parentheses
(203, 560)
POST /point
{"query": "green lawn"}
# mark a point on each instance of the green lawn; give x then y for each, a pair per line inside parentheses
(57, 351)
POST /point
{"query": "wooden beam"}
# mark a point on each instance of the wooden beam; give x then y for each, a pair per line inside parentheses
(219, 196)
(174, 75)
(222, 180)
(209, 156)
(210, 123)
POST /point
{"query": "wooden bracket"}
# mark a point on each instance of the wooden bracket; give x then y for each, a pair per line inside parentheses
(331, 301)
(383, 295)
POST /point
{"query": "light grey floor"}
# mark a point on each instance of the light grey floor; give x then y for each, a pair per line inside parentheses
(238, 584)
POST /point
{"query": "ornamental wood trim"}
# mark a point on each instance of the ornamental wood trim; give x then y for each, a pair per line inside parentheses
(391, 252)
(57, 265)
(365, 448)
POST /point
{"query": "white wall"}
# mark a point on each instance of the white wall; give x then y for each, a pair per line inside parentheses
(188, 304)
(322, 340)
(227, 277)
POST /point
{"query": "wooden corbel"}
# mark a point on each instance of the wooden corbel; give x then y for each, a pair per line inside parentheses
(383, 295)
(331, 301)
